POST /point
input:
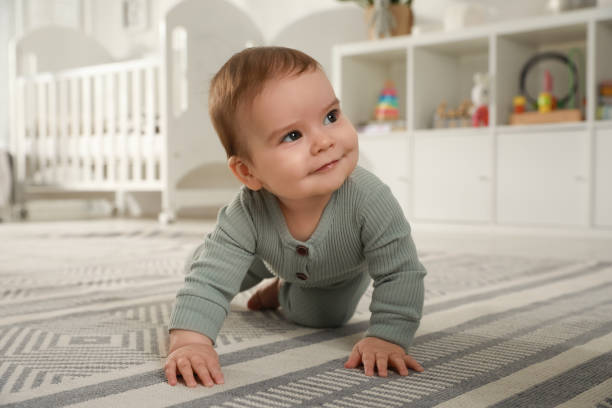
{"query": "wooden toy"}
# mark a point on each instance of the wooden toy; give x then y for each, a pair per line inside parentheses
(453, 118)
(519, 102)
(547, 104)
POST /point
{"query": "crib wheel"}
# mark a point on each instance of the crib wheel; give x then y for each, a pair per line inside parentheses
(166, 217)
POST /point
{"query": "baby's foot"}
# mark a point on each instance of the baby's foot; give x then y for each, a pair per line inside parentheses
(266, 297)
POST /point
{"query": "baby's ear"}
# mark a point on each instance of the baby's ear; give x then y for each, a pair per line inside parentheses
(243, 172)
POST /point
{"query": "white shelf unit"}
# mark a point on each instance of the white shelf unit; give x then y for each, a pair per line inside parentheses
(551, 176)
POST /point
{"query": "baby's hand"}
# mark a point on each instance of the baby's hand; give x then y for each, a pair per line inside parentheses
(374, 350)
(191, 353)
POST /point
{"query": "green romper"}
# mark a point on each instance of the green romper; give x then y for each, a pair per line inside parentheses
(362, 235)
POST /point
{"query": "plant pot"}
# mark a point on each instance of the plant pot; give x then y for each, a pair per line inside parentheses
(402, 14)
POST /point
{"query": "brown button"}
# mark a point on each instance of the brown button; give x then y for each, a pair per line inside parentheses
(301, 276)
(302, 250)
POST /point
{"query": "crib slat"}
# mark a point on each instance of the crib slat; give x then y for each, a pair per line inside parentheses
(159, 107)
(30, 106)
(62, 154)
(41, 139)
(75, 115)
(85, 138)
(52, 143)
(111, 127)
(123, 127)
(136, 136)
(22, 139)
(98, 143)
(150, 124)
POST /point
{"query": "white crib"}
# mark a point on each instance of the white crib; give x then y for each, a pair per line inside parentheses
(143, 125)
(93, 128)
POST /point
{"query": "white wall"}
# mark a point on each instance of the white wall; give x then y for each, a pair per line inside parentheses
(121, 43)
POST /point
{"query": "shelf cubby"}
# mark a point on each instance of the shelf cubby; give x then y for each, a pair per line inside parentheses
(445, 72)
(515, 49)
(363, 77)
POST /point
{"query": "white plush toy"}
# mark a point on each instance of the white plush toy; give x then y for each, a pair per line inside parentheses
(480, 99)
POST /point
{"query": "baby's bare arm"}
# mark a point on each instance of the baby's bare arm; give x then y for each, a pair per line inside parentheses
(375, 352)
(192, 352)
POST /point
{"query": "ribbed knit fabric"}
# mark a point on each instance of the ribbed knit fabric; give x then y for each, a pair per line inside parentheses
(362, 227)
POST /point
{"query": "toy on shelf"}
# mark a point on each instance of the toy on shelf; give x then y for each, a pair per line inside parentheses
(386, 113)
(387, 107)
(546, 100)
(480, 99)
(453, 118)
(548, 109)
(604, 106)
(519, 102)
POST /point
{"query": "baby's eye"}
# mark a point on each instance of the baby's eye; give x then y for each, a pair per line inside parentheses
(331, 117)
(292, 136)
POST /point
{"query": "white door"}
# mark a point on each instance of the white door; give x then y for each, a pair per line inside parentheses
(387, 157)
(452, 177)
(543, 178)
(603, 178)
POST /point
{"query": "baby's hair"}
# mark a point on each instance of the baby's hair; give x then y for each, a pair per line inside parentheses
(241, 79)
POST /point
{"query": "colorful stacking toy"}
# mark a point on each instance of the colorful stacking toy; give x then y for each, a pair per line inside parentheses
(387, 107)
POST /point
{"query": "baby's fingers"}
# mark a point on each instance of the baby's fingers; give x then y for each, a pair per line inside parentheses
(215, 372)
(170, 370)
(200, 368)
(354, 359)
(412, 363)
(184, 366)
(368, 360)
(400, 365)
(381, 364)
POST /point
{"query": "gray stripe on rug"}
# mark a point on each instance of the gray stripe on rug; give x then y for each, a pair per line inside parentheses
(563, 387)
(488, 295)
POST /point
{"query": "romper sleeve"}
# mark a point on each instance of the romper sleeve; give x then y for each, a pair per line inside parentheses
(397, 299)
(215, 272)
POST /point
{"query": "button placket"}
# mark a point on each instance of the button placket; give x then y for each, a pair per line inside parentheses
(303, 252)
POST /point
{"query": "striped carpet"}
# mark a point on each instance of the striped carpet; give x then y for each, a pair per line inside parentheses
(83, 315)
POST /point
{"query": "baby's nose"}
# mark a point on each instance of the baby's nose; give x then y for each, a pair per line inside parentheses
(321, 142)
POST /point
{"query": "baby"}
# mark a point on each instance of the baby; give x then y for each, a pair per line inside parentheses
(307, 215)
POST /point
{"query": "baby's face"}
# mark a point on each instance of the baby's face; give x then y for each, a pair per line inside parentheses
(299, 142)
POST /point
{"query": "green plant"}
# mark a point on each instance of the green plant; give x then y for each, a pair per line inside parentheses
(366, 3)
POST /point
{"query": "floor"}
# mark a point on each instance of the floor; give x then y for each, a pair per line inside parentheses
(551, 244)
(85, 306)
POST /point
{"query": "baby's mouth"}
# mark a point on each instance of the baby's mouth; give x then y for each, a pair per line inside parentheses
(327, 166)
